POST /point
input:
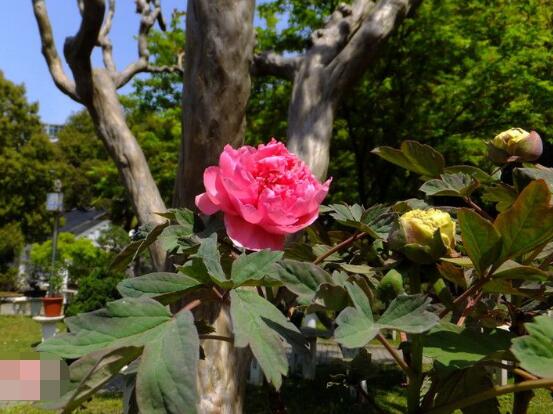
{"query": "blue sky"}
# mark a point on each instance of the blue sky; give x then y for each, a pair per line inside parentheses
(21, 59)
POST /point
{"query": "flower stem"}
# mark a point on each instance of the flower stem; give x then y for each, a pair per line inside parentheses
(491, 393)
(397, 357)
(345, 243)
(415, 349)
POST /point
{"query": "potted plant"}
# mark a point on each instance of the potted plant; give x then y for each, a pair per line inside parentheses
(53, 301)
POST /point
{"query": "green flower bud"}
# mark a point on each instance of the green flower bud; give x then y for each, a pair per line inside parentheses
(424, 235)
(515, 144)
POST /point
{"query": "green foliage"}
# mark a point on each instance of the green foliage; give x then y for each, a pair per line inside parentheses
(535, 351)
(95, 290)
(254, 319)
(28, 165)
(75, 255)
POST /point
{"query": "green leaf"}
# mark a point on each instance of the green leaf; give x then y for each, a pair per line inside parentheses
(125, 322)
(474, 172)
(356, 326)
(161, 286)
(502, 195)
(177, 239)
(91, 372)
(250, 315)
(376, 220)
(130, 252)
(523, 176)
(166, 379)
(451, 185)
(454, 386)
(209, 253)
(414, 156)
(528, 223)
(481, 239)
(408, 313)
(457, 347)
(514, 270)
(302, 278)
(535, 351)
(254, 266)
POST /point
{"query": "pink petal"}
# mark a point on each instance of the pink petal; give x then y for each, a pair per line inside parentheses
(251, 236)
(205, 205)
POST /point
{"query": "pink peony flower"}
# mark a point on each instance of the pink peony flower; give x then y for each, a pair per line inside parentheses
(264, 193)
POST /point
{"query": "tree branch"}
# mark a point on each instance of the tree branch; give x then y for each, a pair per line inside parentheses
(64, 84)
(375, 25)
(273, 64)
(150, 10)
(105, 42)
(78, 48)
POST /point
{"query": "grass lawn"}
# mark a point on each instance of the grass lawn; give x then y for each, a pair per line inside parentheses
(324, 395)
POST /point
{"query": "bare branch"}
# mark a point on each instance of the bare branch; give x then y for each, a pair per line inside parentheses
(377, 25)
(78, 48)
(105, 42)
(273, 64)
(150, 10)
(64, 84)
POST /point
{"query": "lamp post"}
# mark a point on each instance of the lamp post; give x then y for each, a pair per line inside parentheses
(54, 203)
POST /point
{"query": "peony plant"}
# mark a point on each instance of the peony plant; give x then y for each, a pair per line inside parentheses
(463, 273)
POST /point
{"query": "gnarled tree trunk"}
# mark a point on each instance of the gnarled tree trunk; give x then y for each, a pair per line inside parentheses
(219, 49)
(109, 120)
(97, 89)
(340, 54)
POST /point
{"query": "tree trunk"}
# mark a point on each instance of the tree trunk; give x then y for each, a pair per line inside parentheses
(219, 52)
(219, 49)
(109, 120)
(341, 52)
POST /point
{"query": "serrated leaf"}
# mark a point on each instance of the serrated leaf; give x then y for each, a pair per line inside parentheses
(481, 239)
(209, 253)
(407, 313)
(474, 172)
(254, 266)
(302, 278)
(460, 384)
(528, 223)
(535, 351)
(91, 372)
(125, 322)
(166, 379)
(414, 156)
(176, 239)
(161, 286)
(250, 313)
(502, 195)
(523, 176)
(130, 252)
(457, 347)
(513, 270)
(450, 185)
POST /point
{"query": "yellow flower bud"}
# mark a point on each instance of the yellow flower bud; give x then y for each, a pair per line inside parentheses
(515, 144)
(419, 227)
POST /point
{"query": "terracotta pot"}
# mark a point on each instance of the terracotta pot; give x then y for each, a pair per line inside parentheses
(52, 305)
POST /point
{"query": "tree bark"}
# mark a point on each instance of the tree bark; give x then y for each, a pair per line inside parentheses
(109, 120)
(219, 50)
(96, 89)
(340, 54)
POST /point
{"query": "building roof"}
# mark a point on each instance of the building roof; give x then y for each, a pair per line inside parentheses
(79, 221)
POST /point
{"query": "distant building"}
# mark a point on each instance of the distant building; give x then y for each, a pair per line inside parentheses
(85, 223)
(52, 130)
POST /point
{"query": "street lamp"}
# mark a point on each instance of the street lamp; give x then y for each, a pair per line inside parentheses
(54, 203)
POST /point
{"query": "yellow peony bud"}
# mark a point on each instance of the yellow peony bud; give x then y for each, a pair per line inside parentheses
(419, 227)
(424, 235)
(515, 144)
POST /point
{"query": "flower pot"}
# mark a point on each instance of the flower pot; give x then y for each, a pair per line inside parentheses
(52, 305)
